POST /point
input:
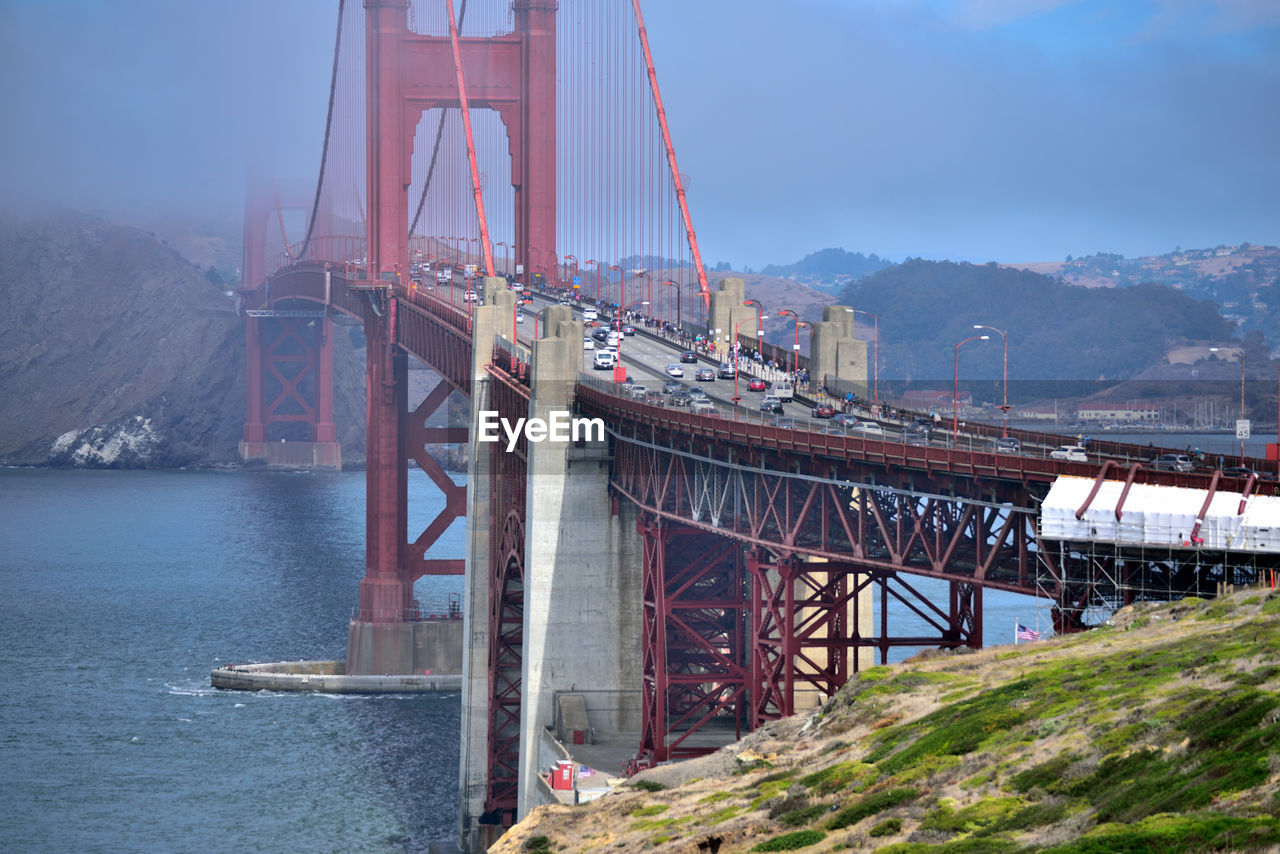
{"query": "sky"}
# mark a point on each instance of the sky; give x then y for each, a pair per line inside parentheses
(1007, 130)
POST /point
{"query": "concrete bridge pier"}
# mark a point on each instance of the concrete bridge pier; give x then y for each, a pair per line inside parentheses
(836, 353)
(580, 591)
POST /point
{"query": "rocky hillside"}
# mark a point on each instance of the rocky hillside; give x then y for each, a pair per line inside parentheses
(118, 352)
(1159, 732)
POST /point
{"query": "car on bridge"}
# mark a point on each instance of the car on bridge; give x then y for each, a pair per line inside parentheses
(681, 398)
(769, 403)
(1005, 445)
(672, 386)
(601, 334)
(867, 428)
(705, 375)
(915, 433)
(674, 370)
(604, 359)
(727, 371)
(697, 393)
(823, 410)
(655, 398)
(588, 344)
(1070, 453)
(628, 329)
(757, 384)
(1173, 462)
(785, 423)
(704, 407)
(689, 357)
(589, 314)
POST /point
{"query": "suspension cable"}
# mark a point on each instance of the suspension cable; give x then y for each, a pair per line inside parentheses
(435, 149)
(471, 145)
(671, 159)
(328, 124)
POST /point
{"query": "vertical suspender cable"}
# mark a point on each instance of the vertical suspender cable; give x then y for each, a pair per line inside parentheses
(471, 148)
(324, 151)
(671, 159)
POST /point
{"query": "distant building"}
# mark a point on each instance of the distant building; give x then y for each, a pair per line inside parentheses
(1037, 413)
(1118, 412)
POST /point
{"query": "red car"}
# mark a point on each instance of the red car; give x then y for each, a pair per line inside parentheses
(824, 410)
(757, 384)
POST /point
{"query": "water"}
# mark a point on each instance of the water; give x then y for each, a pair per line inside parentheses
(124, 590)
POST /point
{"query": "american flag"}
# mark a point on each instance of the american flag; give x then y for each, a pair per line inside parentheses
(1025, 633)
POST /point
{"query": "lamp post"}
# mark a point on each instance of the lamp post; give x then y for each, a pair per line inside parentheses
(575, 266)
(1004, 407)
(649, 291)
(759, 327)
(759, 336)
(597, 263)
(1240, 355)
(506, 257)
(622, 285)
(536, 315)
(533, 267)
(955, 393)
(795, 347)
(679, 314)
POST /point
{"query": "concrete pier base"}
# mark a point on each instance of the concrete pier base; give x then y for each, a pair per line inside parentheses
(325, 677)
(406, 648)
(292, 455)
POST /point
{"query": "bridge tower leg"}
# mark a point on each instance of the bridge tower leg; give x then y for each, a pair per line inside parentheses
(289, 379)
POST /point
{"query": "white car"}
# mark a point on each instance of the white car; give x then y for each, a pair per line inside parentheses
(604, 359)
(868, 428)
(675, 370)
(588, 344)
(1070, 453)
(588, 315)
(520, 317)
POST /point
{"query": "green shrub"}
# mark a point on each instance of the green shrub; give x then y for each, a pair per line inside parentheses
(870, 805)
(791, 841)
(648, 786)
(656, 809)
(537, 843)
(888, 827)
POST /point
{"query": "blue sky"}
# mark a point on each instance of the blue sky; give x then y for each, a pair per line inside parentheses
(1010, 130)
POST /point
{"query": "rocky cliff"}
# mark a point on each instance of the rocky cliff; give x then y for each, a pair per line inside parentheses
(115, 351)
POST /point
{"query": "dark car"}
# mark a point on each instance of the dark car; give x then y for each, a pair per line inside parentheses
(705, 375)
(844, 419)
(757, 384)
(672, 386)
(1241, 472)
(823, 410)
(628, 329)
(915, 434)
(833, 430)
(601, 334)
(783, 422)
(771, 404)
(689, 357)
(681, 398)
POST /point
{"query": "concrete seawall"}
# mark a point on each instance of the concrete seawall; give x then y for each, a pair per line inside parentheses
(328, 677)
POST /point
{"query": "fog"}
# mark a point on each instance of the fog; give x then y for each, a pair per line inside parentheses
(1012, 130)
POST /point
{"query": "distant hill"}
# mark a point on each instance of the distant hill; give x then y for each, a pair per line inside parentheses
(109, 332)
(828, 270)
(1242, 280)
(1056, 331)
(1157, 732)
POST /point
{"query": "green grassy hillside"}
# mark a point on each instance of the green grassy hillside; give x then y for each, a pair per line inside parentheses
(1159, 732)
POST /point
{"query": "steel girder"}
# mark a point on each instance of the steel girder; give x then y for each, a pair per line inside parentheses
(694, 642)
(508, 473)
(871, 525)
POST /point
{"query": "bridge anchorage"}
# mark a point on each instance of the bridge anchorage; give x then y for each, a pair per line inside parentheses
(648, 594)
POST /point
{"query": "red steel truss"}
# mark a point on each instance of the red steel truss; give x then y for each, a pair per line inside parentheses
(506, 601)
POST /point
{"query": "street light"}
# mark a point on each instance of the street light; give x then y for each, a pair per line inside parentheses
(649, 294)
(679, 314)
(795, 348)
(620, 335)
(575, 265)
(622, 284)
(955, 393)
(1004, 408)
(597, 263)
(760, 336)
(506, 257)
(536, 315)
(1240, 354)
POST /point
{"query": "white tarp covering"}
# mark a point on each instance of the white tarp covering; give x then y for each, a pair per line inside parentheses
(1159, 516)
